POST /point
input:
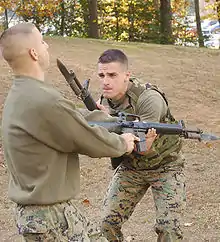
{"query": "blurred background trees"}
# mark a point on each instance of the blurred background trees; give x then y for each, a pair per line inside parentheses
(180, 22)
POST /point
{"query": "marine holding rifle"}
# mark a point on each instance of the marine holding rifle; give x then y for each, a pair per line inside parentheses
(42, 135)
(130, 105)
(160, 168)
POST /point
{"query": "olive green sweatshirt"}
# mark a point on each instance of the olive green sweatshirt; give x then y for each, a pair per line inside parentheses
(42, 135)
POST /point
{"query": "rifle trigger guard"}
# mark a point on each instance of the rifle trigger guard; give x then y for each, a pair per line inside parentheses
(128, 117)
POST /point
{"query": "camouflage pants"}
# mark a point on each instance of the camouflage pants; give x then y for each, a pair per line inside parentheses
(127, 188)
(53, 223)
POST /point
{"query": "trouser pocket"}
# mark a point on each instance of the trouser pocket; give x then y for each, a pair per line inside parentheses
(76, 224)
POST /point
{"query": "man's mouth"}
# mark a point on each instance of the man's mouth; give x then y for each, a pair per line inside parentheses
(106, 89)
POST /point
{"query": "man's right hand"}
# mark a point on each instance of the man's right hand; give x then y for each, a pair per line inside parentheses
(130, 141)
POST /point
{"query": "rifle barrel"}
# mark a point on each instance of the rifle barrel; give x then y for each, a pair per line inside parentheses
(161, 128)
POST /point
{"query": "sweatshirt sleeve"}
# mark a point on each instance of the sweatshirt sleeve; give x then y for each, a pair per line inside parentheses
(151, 107)
(96, 115)
(65, 129)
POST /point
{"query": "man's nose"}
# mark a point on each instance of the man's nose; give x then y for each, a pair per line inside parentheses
(105, 81)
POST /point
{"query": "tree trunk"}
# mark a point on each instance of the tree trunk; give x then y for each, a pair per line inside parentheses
(6, 19)
(165, 22)
(84, 6)
(131, 21)
(93, 19)
(218, 14)
(101, 17)
(62, 24)
(218, 10)
(117, 20)
(198, 24)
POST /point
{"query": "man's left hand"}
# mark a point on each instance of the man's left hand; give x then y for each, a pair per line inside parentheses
(102, 107)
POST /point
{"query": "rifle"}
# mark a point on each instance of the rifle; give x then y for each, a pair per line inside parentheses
(122, 125)
(140, 129)
(81, 91)
(136, 127)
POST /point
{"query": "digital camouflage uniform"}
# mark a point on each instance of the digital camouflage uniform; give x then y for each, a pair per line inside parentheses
(42, 135)
(161, 169)
(58, 222)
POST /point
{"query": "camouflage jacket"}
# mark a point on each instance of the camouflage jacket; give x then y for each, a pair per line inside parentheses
(142, 100)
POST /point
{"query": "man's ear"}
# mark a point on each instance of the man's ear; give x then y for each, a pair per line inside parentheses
(128, 75)
(33, 54)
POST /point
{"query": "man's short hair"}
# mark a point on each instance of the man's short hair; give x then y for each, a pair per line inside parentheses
(9, 34)
(113, 55)
(21, 28)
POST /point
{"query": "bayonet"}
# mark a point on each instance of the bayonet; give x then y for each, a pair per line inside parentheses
(81, 91)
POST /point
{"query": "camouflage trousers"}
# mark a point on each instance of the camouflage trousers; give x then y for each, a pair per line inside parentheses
(127, 188)
(53, 223)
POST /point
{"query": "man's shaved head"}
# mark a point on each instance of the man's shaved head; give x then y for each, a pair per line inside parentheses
(14, 40)
(24, 49)
(22, 28)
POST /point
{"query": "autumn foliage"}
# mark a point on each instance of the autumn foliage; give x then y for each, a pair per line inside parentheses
(126, 20)
(30, 8)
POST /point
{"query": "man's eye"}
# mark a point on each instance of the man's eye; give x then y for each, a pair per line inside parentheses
(101, 75)
(112, 74)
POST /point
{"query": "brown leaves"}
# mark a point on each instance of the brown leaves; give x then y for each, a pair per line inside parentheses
(86, 202)
(209, 145)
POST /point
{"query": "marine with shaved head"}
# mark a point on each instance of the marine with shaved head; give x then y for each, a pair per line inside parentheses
(42, 135)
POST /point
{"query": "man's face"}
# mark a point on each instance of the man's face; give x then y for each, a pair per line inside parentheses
(114, 79)
(41, 49)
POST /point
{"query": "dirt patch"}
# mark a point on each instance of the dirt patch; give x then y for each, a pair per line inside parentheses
(190, 78)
